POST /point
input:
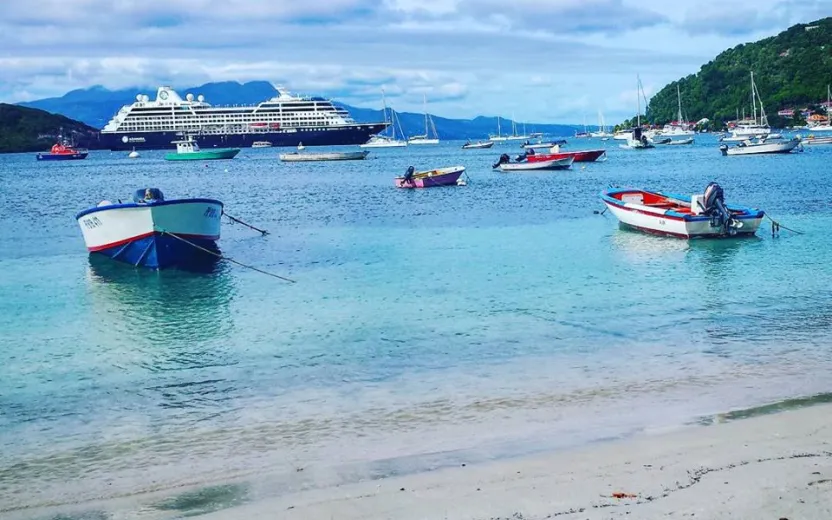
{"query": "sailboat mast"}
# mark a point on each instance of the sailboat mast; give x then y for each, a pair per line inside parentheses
(425, 105)
(679, 97)
(753, 99)
(638, 100)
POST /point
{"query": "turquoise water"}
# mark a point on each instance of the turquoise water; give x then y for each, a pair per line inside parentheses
(425, 327)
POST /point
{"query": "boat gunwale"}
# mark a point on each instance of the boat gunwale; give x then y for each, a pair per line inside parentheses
(738, 212)
(126, 205)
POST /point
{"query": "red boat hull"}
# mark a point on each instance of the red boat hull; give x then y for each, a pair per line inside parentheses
(580, 156)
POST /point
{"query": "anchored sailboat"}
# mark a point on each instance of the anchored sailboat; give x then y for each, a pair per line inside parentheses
(430, 136)
(385, 141)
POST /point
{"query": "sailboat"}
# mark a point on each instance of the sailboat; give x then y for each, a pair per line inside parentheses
(638, 139)
(385, 141)
(827, 126)
(498, 137)
(602, 132)
(678, 128)
(583, 134)
(514, 136)
(430, 130)
(759, 127)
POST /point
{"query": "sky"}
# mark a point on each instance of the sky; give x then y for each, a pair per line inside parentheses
(557, 61)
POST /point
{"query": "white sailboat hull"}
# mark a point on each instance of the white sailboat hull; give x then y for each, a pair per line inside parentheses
(417, 141)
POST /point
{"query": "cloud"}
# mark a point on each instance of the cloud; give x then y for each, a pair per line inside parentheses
(542, 60)
(725, 18)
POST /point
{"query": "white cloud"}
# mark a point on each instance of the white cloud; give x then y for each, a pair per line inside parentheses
(544, 60)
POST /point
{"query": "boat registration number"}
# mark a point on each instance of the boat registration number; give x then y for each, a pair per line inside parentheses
(662, 222)
(211, 213)
(91, 222)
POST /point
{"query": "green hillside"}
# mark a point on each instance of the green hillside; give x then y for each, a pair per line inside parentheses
(791, 70)
(29, 129)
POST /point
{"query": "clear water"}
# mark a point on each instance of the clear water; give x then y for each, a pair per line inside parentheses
(425, 327)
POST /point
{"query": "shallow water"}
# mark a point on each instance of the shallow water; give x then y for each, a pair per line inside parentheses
(425, 327)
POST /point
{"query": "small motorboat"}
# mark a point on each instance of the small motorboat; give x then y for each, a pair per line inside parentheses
(637, 141)
(324, 156)
(540, 144)
(188, 150)
(479, 145)
(153, 232)
(760, 147)
(505, 164)
(817, 140)
(134, 154)
(680, 142)
(431, 178)
(63, 151)
(699, 215)
(660, 140)
(301, 147)
(555, 153)
(261, 144)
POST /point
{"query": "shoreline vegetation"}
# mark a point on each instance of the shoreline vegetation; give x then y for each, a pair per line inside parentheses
(771, 461)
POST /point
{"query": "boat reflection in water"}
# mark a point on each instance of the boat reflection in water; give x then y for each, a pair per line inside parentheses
(161, 320)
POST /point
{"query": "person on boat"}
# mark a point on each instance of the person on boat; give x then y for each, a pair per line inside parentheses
(148, 196)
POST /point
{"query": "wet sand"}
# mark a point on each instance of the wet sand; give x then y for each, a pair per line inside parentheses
(773, 466)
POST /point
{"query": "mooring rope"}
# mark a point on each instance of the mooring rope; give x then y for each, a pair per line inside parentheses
(775, 227)
(238, 221)
(218, 255)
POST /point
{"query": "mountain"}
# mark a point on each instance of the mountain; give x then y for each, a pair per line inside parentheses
(25, 129)
(791, 70)
(96, 105)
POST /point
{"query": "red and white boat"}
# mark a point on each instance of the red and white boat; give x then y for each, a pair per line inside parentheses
(577, 156)
(698, 215)
(504, 164)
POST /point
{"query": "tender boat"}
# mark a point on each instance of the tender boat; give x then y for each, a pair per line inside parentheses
(504, 164)
(63, 151)
(324, 156)
(760, 147)
(479, 145)
(153, 232)
(555, 153)
(699, 215)
(432, 178)
(551, 144)
(680, 142)
(262, 144)
(188, 150)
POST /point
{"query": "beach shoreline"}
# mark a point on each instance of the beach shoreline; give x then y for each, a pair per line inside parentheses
(770, 466)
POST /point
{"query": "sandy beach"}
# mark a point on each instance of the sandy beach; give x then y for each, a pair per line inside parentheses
(774, 466)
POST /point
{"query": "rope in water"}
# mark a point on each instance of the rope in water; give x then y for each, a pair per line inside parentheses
(238, 221)
(775, 227)
(221, 257)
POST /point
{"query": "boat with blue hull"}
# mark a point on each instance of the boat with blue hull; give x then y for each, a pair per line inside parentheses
(284, 120)
(153, 232)
(63, 152)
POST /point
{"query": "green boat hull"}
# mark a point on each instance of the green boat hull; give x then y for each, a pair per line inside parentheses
(204, 155)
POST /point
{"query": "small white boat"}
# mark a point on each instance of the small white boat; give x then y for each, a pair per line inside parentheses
(381, 141)
(699, 215)
(261, 144)
(680, 142)
(149, 230)
(504, 164)
(540, 144)
(638, 141)
(479, 145)
(393, 123)
(134, 154)
(324, 156)
(760, 147)
(430, 136)
(301, 147)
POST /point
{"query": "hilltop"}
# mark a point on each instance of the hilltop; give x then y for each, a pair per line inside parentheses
(25, 129)
(96, 105)
(791, 70)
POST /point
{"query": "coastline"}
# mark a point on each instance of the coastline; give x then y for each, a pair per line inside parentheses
(770, 466)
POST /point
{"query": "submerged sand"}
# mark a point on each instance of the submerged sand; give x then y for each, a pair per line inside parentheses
(768, 467)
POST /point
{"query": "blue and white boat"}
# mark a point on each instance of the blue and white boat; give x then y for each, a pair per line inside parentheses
(153, 232)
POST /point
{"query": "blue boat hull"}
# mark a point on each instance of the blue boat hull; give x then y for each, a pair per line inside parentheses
(161, 251)
(61, 157)
(333, 136)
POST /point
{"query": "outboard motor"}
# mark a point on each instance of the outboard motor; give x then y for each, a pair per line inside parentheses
(715, 208)
(504, 159)
(408, 175)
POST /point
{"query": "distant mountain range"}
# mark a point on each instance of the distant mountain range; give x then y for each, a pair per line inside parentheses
(96, 105)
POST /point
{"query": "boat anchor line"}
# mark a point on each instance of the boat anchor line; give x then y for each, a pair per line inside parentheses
(238, 221)
(775, 228)
(222, 257)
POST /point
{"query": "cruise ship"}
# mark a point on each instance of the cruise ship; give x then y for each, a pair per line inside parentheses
(284, 120)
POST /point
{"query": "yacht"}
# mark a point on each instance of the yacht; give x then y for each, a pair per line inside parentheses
(430, 136)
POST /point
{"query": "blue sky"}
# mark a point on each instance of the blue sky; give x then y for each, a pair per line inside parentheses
(541, 60)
